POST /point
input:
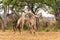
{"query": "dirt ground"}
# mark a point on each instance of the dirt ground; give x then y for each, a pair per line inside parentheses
(25, 35)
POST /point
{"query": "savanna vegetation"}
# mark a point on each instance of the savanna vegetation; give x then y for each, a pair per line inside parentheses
(11, 21)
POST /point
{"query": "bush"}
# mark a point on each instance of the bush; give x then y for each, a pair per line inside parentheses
(25, 27)
(8, 26)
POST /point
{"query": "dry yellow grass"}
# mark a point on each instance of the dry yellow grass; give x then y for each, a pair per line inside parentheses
(9, 35)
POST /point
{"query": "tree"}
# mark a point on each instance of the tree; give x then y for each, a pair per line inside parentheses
(6, 4)
(4, 18)
(55, 4)
(18, 5)
(57, 12)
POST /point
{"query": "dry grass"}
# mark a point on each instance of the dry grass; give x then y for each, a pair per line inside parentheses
(9, 35)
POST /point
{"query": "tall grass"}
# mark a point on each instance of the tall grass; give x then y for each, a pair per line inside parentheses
(41, 28)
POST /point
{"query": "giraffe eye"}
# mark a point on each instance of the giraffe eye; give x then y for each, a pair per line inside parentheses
(26, 15)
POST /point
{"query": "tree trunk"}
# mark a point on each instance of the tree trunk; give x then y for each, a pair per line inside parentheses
(31, 7)
(8, 9)
(4, 18)
(57, 15)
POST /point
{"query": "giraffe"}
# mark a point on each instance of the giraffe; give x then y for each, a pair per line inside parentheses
(29, 18)
(38, 20)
